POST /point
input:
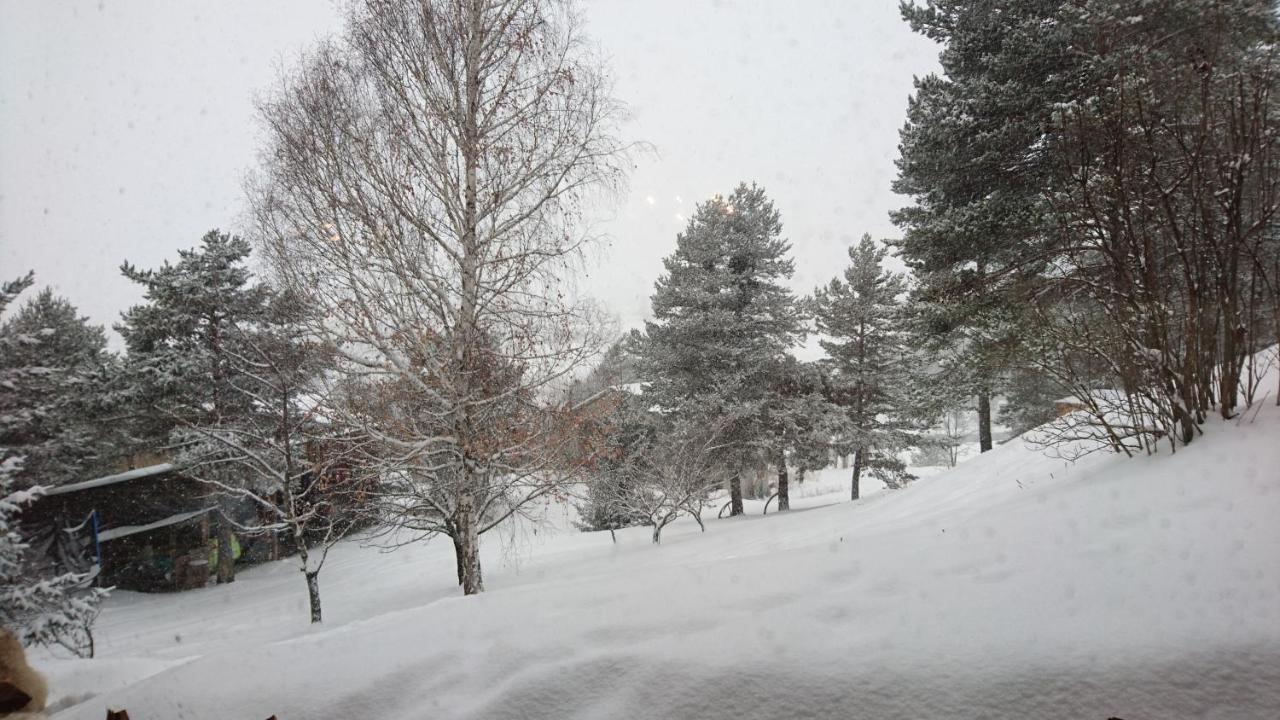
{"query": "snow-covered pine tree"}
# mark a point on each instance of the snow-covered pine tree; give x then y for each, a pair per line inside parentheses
(182, 342)
(1029, 397)
(861, 319)
(62, 370)
(1109, 176)
(40, 606)
(614, 491)
(602, 505)
(179, 341)
(975, 228)
(801, 422)
(617, 367)
(723, 322)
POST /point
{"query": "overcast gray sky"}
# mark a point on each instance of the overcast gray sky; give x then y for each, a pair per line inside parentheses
(126, 128)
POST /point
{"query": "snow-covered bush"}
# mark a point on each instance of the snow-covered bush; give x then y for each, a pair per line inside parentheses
(601, 508)
(40, 608)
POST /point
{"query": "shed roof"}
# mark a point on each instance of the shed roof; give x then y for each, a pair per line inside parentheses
(127, 530)
(111, 479)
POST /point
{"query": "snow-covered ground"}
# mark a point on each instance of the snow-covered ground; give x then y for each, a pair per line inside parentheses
(1015, 585)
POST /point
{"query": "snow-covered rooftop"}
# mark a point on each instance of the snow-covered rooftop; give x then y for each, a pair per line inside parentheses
(127, 530)
(126, 476)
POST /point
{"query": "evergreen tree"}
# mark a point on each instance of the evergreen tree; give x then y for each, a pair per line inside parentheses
(60, 373)
(616, 367)
(801, 422)
(614, 488)
(861, 317)
(723, 322)
(975, 230)
(1081, 170)
(39, 605)
(604, 504)
(180, 341)
(183, 344)
(1029, 399)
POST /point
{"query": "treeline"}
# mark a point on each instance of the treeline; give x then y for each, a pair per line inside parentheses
(719, 392)
(1092, 220)
(1094, 190)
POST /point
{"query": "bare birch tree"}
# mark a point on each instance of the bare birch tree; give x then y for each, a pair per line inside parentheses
(425, 186)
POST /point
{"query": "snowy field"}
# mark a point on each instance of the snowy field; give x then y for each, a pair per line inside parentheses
(1014, 586)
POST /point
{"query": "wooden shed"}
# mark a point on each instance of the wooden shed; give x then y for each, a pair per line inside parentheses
(148, 528)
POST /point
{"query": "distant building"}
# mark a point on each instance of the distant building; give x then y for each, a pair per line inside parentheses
(1067, 405)
(1100, 400)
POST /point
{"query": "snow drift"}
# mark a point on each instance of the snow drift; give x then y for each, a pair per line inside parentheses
(1016, 585)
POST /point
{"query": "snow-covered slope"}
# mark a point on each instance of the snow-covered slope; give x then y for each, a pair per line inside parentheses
(1015, 585)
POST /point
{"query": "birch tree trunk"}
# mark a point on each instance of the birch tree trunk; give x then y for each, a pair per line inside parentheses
(313, 594)
(467, 543)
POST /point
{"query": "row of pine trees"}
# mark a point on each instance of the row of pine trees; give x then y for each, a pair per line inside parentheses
(1093, 193)
(719, 379)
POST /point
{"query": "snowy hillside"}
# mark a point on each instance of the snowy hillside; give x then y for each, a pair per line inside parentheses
(1015, 585)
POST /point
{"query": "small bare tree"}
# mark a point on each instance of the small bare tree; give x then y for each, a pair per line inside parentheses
(282, 454)
(669, 471)
(425, 186)
(941, 445)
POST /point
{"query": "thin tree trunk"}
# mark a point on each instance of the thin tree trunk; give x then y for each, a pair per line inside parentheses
(984, 420)
(313, 594)
(800, 474)
(312, 576)
(457, 557)
(1233, 356)
(735, 495)
(784, 500)
(857, 473)
(226, 569)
